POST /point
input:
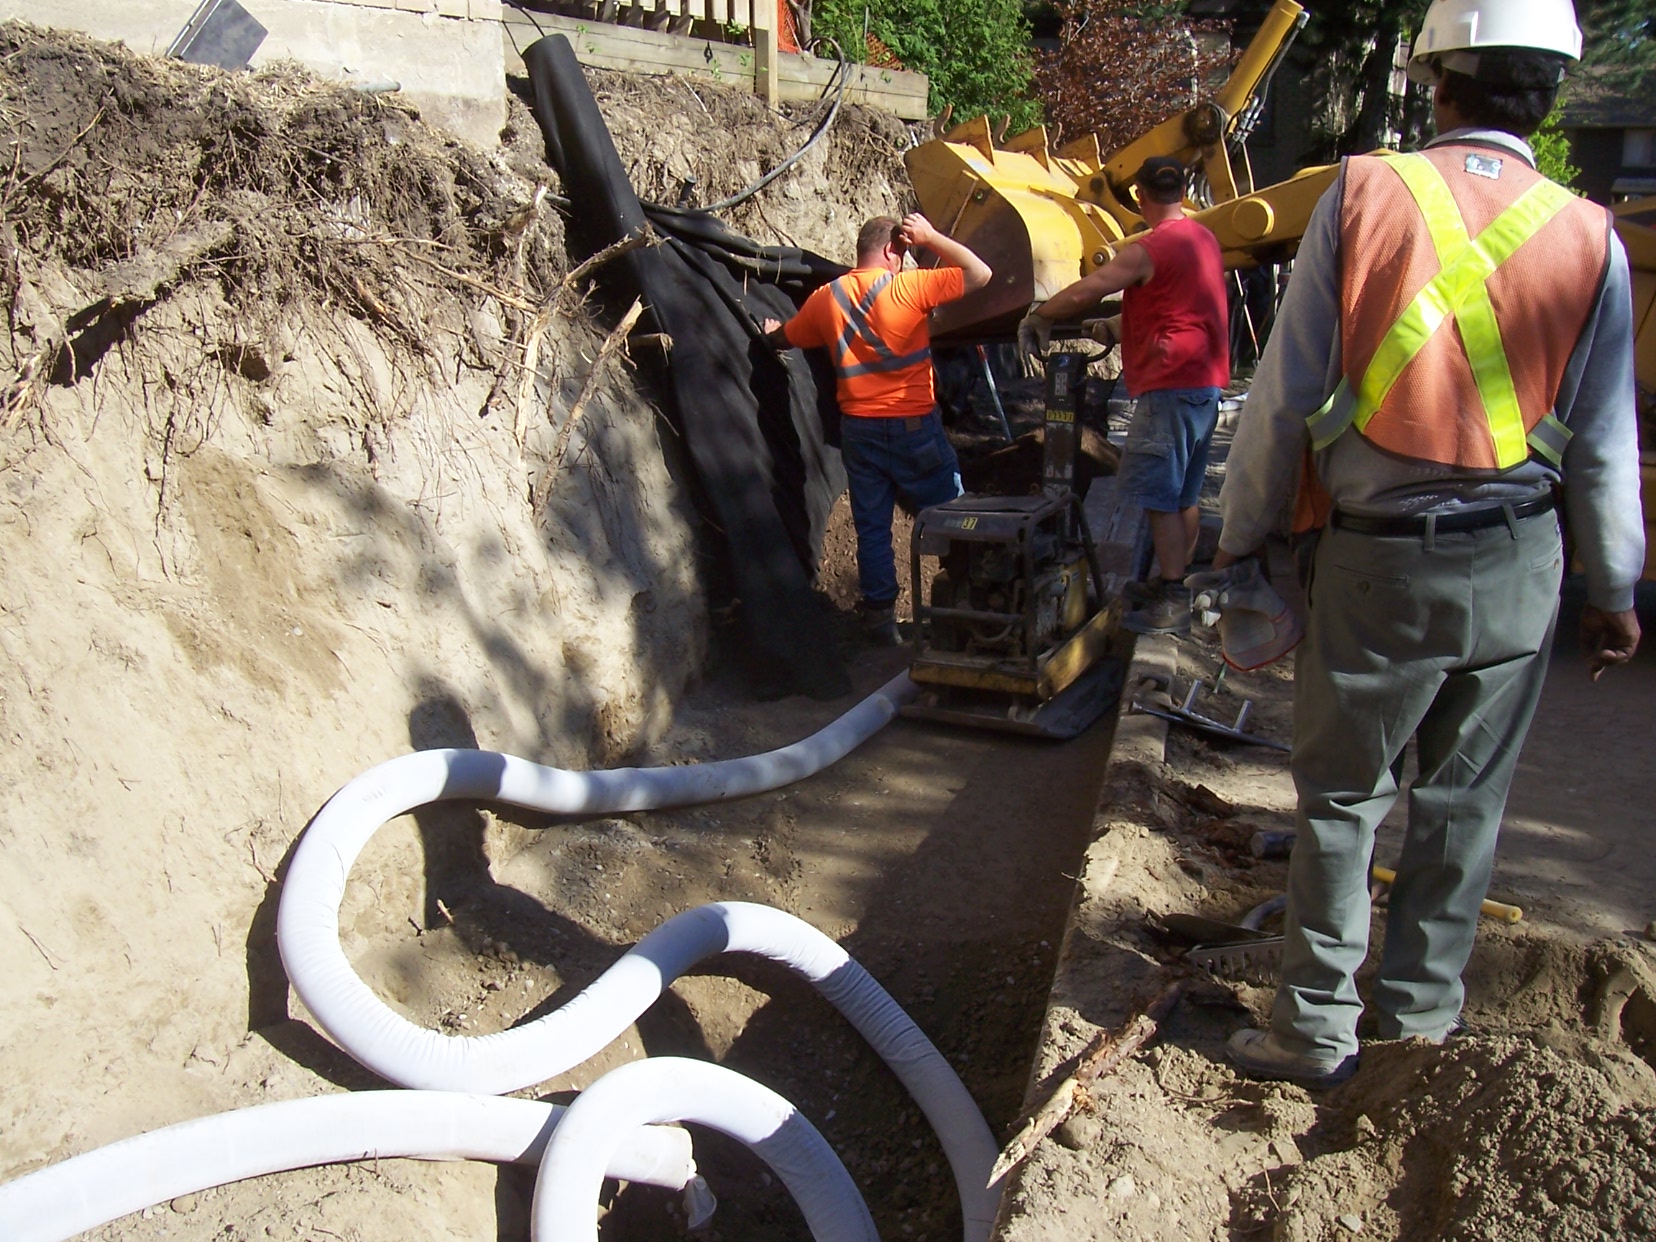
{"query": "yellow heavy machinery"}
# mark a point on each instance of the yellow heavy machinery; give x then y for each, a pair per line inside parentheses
(1016, 626)
(1013, 634)
(1017, 629)
(1044, 218)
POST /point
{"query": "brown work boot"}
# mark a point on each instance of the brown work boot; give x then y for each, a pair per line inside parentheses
(1260, 1054)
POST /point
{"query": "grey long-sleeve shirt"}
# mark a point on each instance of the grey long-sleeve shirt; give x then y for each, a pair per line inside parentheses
(1302, 367)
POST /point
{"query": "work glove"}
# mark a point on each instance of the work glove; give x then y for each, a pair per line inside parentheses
(1107, 332)
(1034, 334)
(1207, 593)
(1255, 625)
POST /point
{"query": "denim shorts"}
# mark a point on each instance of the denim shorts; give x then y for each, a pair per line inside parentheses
(1167, 447)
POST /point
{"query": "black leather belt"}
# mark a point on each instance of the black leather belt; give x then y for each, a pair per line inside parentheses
(1441, 523)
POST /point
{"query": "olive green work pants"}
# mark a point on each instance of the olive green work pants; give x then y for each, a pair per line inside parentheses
(1444, 641)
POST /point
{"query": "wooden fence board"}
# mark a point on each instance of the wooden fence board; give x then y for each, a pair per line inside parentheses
(633, 49)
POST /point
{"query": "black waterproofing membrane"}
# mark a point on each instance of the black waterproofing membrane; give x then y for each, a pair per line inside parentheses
(754, 430)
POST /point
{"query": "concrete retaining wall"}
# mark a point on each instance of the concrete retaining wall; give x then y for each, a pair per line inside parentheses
(445, 54)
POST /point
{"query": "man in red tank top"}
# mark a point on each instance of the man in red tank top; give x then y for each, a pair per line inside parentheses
(1175, 352)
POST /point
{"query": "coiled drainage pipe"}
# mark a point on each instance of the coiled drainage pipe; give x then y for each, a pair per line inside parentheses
(677, 1089)
(307, 931)
(102, 1185)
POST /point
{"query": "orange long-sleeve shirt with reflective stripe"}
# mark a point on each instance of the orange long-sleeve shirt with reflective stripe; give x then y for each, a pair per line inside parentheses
(882, 347)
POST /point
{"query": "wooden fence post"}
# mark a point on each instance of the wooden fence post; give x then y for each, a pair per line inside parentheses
(766, 61)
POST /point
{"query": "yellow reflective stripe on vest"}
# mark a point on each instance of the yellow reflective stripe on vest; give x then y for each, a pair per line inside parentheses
(1459, 290)
(1549, 438)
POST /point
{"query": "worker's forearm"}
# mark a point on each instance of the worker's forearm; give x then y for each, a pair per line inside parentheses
(953, 254)
(1068, 304)
(1131, 266)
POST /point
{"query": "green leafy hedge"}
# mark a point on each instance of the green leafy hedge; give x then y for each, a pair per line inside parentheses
(976, 52)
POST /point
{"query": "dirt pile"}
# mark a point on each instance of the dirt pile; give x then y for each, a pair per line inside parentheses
(1496, 1136)
(304, 462)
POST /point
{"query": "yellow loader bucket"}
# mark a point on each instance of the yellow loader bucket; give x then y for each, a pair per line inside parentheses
(1043, 219)
(1020, 208)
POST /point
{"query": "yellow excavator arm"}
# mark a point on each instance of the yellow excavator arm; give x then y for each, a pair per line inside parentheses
(1043, 218)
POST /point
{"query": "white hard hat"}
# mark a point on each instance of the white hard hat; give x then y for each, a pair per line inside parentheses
(1456, 30)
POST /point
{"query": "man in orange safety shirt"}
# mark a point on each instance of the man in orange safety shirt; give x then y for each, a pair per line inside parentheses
(873, 320)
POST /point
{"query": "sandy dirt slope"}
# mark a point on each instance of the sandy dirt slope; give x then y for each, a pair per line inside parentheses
(266, 518)
(277, 501)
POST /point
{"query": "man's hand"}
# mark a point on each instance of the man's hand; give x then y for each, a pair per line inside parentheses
(916, 230)
(1107, 332)
(772, 334)
(1608, 638)
(1034, 334)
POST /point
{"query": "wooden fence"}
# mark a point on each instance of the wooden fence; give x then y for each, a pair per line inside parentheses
(725, 20)
(730, 41)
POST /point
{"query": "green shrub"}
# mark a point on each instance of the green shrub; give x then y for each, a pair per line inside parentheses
(976, 52)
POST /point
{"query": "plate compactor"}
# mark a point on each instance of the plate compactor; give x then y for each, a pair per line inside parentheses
(1014, 631)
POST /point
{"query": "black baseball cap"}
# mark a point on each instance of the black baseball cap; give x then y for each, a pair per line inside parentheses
(1161, 174)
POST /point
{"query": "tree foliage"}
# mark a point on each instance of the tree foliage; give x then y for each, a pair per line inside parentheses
(1352, 49)
(976, 52)
(1552, 151)
(1619, 45)
(1123, 67)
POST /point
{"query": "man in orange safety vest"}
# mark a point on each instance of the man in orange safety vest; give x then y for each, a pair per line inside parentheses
(874, 321)
(1454, 350)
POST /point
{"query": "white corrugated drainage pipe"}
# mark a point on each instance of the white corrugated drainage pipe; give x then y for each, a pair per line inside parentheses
(308, 934)
(88, 1190)
(307, 921)
(675, 1089)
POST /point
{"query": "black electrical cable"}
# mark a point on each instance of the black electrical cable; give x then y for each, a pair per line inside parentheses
(844, 75)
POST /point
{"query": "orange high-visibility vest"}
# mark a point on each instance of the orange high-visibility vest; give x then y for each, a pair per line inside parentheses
(874, 323)
(1465, 280)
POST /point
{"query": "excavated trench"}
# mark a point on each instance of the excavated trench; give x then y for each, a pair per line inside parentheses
(942, 860)
(273, 508)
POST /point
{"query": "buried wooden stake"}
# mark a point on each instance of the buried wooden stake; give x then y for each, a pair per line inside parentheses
(1108, 1050)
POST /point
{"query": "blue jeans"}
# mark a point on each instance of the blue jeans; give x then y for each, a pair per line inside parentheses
(1167, 447)
(887, 458)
